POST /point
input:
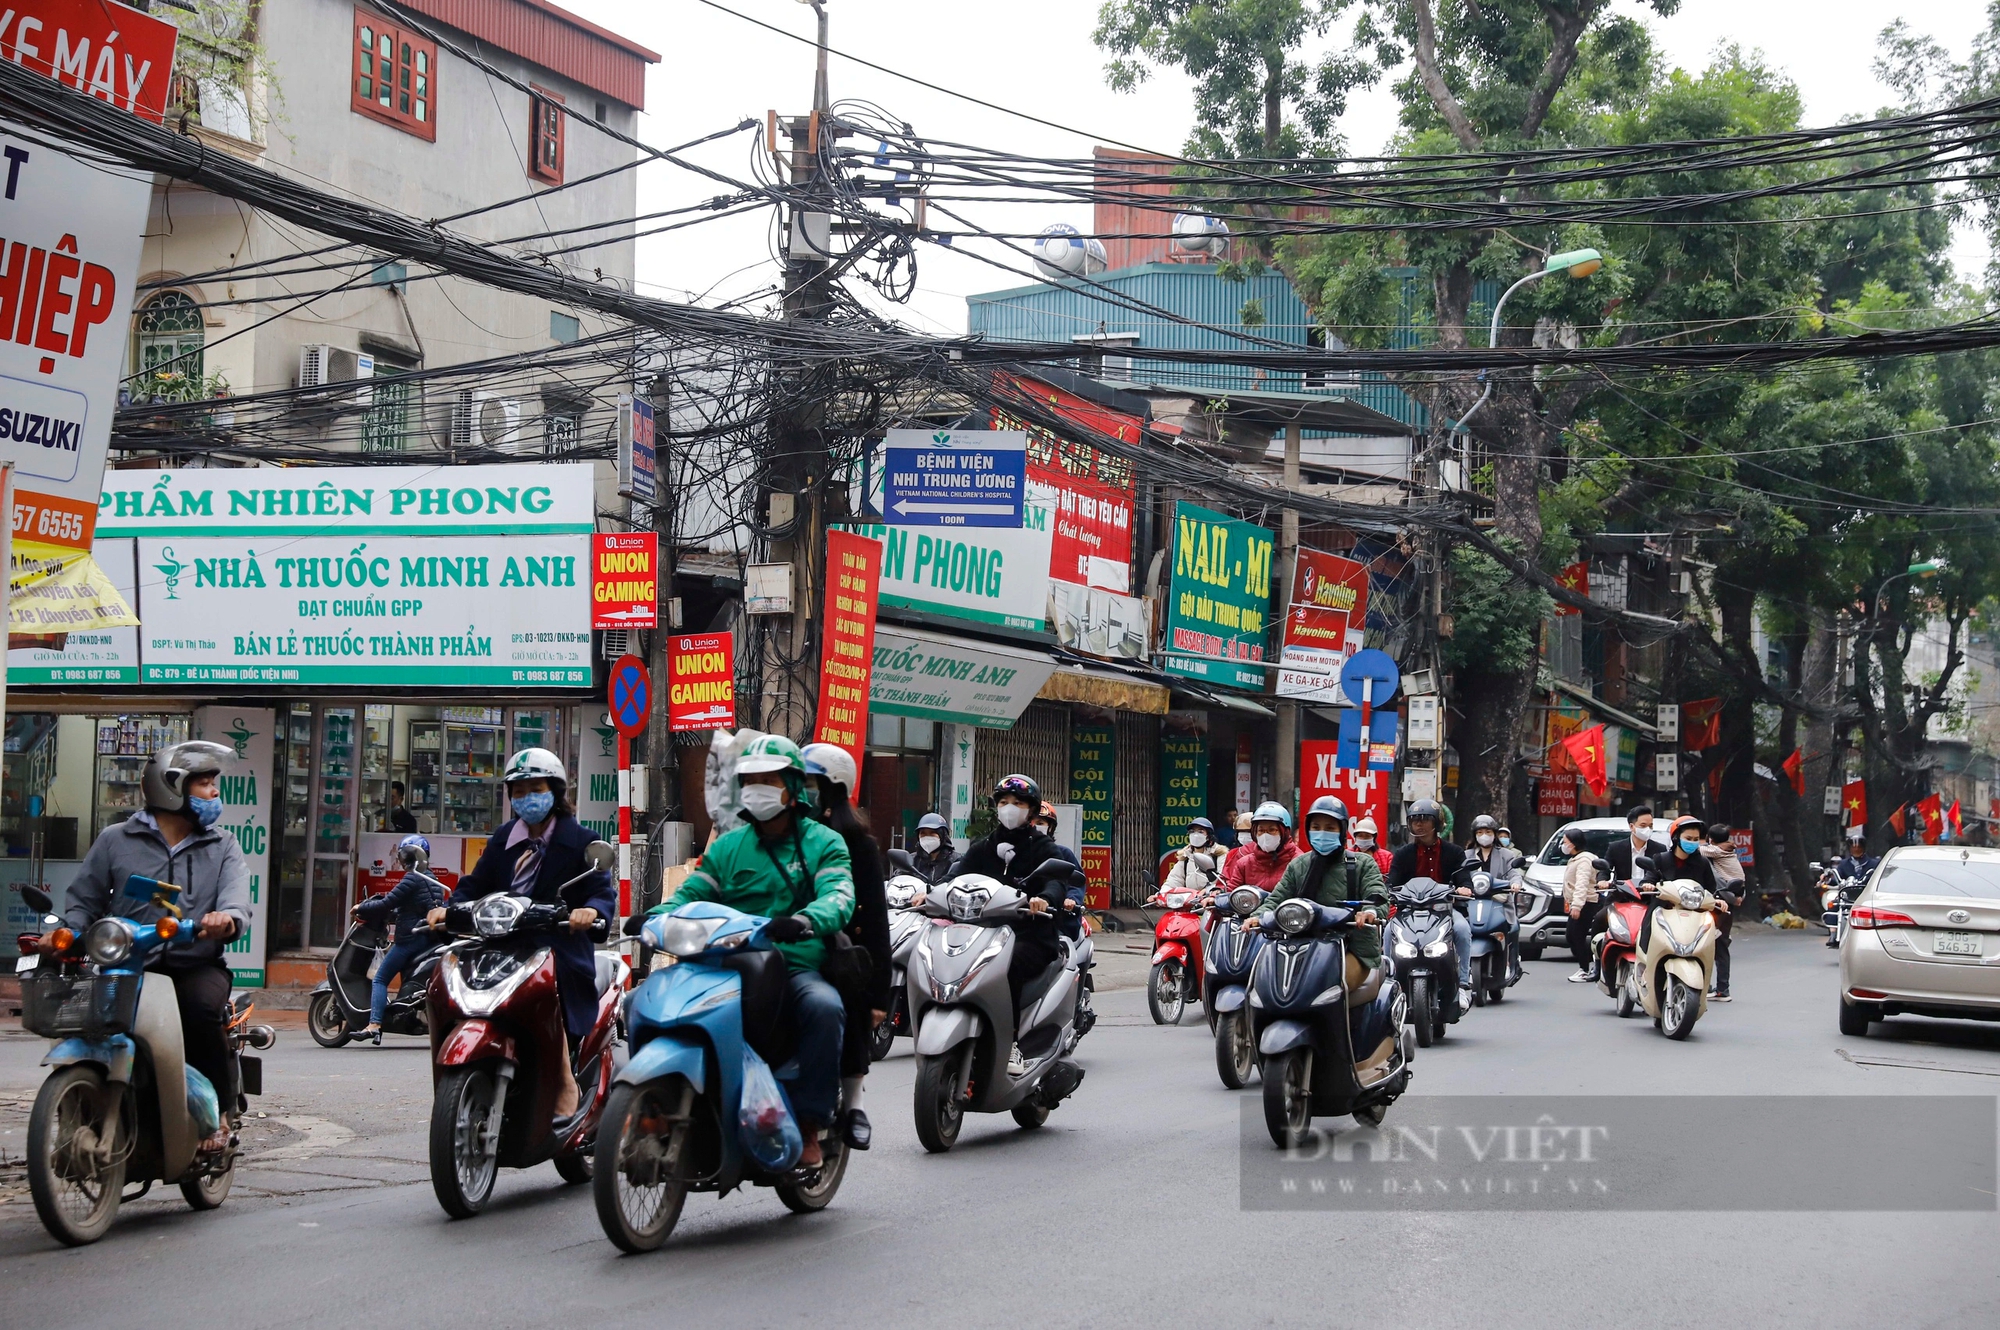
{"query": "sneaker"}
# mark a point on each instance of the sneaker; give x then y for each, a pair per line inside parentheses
(1580, 977)
(1016, 1064)
(1465, 999)
(1720, 997)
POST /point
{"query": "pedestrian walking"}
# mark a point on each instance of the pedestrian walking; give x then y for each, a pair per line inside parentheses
(1729, 889)
(1581, 904)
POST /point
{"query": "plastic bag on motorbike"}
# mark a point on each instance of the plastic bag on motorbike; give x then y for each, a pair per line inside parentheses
(764, 1123)
(204, 1109)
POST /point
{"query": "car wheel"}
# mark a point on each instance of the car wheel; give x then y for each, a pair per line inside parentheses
(1855, 1017)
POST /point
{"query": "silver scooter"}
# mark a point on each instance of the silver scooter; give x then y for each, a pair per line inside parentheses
(905, 922)
(962, 1010)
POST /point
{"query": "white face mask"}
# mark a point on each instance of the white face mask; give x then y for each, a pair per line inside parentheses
(929, 843)
(1640, 835)
(763, 802)
(1011, 816)
(1484, 838)
(1268, 842)
(1197, 839)
(1364, 842)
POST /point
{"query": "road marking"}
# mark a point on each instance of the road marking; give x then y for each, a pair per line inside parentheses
(1911, 1064)
(321, 1136)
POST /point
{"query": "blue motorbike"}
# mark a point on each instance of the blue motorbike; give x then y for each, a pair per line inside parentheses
(1490, 912)
(1230, 955)
(699, 1106)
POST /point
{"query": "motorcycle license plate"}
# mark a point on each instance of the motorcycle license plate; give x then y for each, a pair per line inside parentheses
(1955, 944)
(26, 963)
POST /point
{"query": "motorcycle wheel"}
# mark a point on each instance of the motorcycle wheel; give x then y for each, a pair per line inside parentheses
(465, 1142)
(638, 1213)
(210, 1189)
(1029, 1115)
(325, 1023)
(803, 1198)
(939, 1112)
(1680, 1008)
(1628, 999)
(76, 1206)
(575, 1169)
(1166, 996)
(1420, 1008)
(1288, 1097)
(1372, 1115)
(1235, 1050)
(881, 1040)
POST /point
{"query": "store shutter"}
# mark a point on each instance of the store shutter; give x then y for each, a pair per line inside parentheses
(1136, 828)
(1037, 745)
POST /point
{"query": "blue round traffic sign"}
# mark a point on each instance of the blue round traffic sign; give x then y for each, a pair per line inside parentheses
(1370, 664)
(631, 695)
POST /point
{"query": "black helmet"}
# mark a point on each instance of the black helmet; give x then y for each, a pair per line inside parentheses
(1328, 806)
(1484, 823)
(1019, 787)
(932, 822)
(1422, 808)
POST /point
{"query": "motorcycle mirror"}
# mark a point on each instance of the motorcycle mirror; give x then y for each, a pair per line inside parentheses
(1814, 866)
(1645, 861)
(37, 900)
(601, 855)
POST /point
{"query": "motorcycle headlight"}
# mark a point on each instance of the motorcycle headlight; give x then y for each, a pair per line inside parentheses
(496, 915)
(108, 941)
(1330, 996)
(1615, 922)
(1295, 916)
(1438, 948)
(1244, 900)
(684, 937)
(484, 1001)
(1406, 950)
(1177, 901)
(967, 903)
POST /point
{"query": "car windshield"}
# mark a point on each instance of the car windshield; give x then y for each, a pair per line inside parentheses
(1974, 879)
(1597, 842)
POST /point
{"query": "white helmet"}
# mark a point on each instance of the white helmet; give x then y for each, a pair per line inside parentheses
(833, 762)
(1365, 827)
(535, 764)
(165, 779)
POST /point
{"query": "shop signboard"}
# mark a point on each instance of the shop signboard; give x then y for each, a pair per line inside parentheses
(431, 611)
(959, 744)
(1094, 622)
(624, 579)
(597, 777)
(933, 676)
(847, 641)
(246, 815)
(701, 682)
(1183, 776)
(1092, 745)
(122, 56)
(1220, 598)
(956, 478)
(1093, 531)
(996, 575)
(1366, 793)
(637, 461)
(97, 655)
(1555, 796)
(1323, 624)
(1627, 768)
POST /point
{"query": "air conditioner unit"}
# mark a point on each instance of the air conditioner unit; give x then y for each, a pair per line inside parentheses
(482, 419)
(321, 364)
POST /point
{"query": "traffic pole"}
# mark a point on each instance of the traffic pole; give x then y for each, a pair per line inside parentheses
(624, 825)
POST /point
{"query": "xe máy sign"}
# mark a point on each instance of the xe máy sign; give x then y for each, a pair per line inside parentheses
(104, 50)
(624, 579)
(847, 643)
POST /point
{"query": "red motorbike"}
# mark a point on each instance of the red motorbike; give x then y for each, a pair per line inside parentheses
(1177, 966)
(496, 1025)
(1618, 968)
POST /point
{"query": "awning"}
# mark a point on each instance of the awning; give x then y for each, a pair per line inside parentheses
(1225, 701)
(1584, 695)
(934, 676)
(52, 590)
(1105, 688)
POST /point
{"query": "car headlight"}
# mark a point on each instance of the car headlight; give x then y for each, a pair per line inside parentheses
(496, 915)
(1438, 948)
(108, 941)
(1295, 916)
(1406, 950)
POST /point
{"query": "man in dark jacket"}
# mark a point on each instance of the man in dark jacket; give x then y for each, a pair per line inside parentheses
(934, 858)
(1641, 841)
(533, 854)
(409, 903)
(1012, 852)
(1429, 854)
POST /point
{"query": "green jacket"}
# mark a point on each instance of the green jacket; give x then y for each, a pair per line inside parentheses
(1366, 943)
(767, 877)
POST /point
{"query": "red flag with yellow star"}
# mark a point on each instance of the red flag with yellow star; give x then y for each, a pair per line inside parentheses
(1575, 578)
(1795, 771)
(1854, 803)
(1587, 751)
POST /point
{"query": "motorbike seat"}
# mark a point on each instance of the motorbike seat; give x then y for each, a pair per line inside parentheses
(1362, 983)
(1037, 988)
(766, 979)
(607, 971)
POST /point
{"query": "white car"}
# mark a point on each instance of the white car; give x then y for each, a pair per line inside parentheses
(1923, 938)
(1543, 923)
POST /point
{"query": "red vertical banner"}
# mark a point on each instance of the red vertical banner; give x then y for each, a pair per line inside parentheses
(847, 640)
(1366, 793)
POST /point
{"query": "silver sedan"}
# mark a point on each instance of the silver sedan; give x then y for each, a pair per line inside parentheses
(1924, 938)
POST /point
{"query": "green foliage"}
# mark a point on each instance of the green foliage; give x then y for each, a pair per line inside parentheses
(216, 60)
(1496, 618)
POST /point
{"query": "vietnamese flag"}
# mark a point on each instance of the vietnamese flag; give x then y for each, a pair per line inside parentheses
(1795, 771)
(1957, 825)
(1854, 803)
(1701, 724)
(1931, 809)
(1575, 578)
(1896, 821)
(1587, 751)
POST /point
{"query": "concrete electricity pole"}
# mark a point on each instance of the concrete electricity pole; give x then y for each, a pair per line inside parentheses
(1285, 770)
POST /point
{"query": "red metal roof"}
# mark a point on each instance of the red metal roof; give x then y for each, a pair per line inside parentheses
(555, 39)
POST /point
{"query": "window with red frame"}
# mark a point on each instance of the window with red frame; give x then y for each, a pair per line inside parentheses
(395, 75)
(545, 136)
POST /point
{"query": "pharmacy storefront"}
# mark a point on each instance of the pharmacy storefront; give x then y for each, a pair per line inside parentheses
(372, 642)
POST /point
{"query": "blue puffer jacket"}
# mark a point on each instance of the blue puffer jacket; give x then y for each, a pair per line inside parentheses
(409, 902)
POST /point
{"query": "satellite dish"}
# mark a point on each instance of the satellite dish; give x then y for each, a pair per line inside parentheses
(1061, 252)
(1200, 233)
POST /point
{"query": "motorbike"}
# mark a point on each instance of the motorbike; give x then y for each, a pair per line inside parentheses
(698, 1107)
(1677, 958)
(966, 1023)
(904, 924)
(1624, 920)
(1330, 1031)
(1836, 899)
(1231, 956)
(495, 1018)
(1176, 976)
(1420, 945)
(121, 1105)
(1486, 910)
(340, 1006)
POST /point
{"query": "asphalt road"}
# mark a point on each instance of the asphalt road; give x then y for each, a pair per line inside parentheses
(1125, 1209)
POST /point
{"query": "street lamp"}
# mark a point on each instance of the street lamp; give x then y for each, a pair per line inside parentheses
(1928, 568)
(1578, 263)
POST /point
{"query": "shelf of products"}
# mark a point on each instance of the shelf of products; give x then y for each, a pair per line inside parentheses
(378, 724)
(124, 743)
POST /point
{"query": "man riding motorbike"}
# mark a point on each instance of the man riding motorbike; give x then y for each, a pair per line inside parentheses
(1639, 842)
(1504, 864)
(1262, 863)
(1855, 861)
(1430, 855)
(933, 858)
(1332, 873)
(409, 903)
(1012, 852)
(533, 854)
(174, 839)
(797, 872)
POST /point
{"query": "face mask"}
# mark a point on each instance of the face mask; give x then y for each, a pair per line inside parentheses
(1268, 842)
(1245, 838)
(1325, 842)
(1484, 838)
(206, 811)
(535, 807)
(1506, 840)
(1011, 816)
(1689, 846)
(1197, 839)
(1364, 842)
(930, 843)
(1640, 835)
(763, 802)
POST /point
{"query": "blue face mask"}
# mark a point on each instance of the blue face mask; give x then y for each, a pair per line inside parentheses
(207, 812)
(534, 808)
(1325, 842)
(1689, 846)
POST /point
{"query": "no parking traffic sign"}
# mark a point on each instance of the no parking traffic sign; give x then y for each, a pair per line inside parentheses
(631, 695)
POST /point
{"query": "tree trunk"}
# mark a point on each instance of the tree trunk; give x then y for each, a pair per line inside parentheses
(1739, 728)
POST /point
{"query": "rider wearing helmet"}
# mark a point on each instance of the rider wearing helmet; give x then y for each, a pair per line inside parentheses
(1429, 854)
(830, 768)
(1023, 857)
(1070, 922)
(1271, 850)
(1365, 841)
(933, 858)
(409, 903)
(532, 854)
(1200, 840)
(174, 839)
(1504, 864)
(1331, 874)
(798, 872)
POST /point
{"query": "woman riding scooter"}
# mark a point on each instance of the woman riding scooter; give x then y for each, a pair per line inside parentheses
(410, 903)
(1262, 863)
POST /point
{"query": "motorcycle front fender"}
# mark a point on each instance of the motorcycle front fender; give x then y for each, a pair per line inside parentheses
(114, 1054)
(1230, 999)
(1170, 951)
(669, 1053)
(1688, 970)
(1283, 1036)
(945, 1028)
(475, 1041)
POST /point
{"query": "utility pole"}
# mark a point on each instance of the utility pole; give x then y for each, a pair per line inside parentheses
(1286, 768)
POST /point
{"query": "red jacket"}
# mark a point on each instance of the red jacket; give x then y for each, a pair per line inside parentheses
(1249, 866)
